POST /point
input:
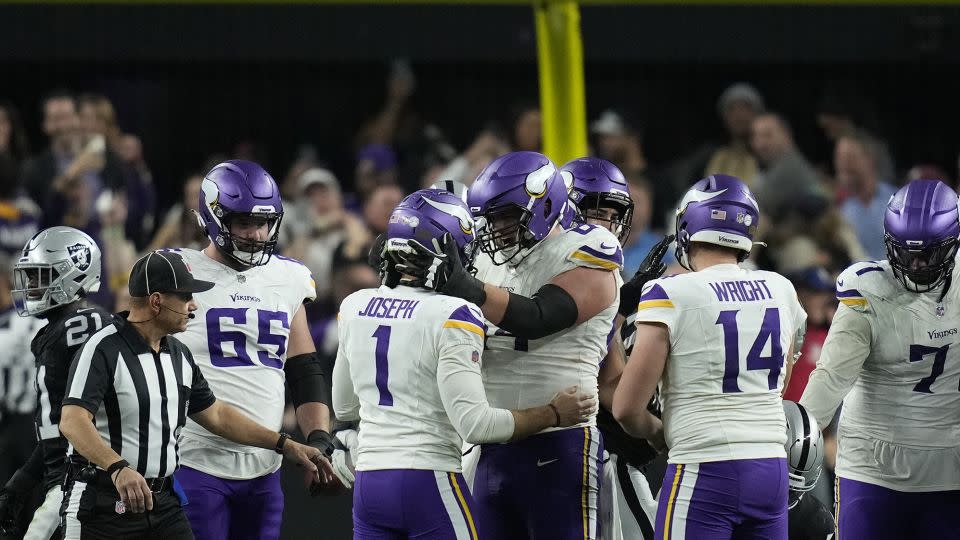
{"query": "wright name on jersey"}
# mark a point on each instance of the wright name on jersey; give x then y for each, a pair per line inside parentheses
(520, 373)
(400, 351)
(239, 340)
(900, 423)
(731, 330)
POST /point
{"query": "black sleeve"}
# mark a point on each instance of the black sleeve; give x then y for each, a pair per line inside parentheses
(550, 310)
(90, 377)
(29, 475)
(308, 380)
(201, 397)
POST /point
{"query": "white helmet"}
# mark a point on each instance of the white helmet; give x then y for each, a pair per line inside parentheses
(58, 266)
(804, 448)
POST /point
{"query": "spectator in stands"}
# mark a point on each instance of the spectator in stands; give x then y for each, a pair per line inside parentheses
(785, 176)
(855, 160)
(13, 138)
(124, 153)
(179, 227)
(641, 238)
(467, 166)
(815, 289)
(19, 216)
(524, 127)
(376, 166)
(738, 105)
(619, 144)
(378, 207)
(324, 226)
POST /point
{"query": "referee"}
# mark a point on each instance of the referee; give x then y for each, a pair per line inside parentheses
(130, 390)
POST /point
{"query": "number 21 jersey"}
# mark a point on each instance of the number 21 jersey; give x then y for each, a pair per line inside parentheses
(731, 330)
(239, 339)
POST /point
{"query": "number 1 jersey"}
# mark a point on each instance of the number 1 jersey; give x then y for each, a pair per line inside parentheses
(731, 330)
(239, 339)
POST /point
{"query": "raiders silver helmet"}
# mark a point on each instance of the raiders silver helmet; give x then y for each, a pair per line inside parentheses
(804, 448)
(58, 266)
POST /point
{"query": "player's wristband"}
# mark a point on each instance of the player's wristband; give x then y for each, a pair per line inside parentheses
(555, 413)
(122, 464)
(281, 442)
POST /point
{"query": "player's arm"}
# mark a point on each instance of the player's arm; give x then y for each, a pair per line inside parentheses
(570, 298)
(639, 381)
(611, 369)
(309, 386)
(346, 404)
(841, 360)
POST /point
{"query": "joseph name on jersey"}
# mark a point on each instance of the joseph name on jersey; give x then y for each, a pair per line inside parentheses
(392, 341)
(520, 373)
(730, 332)
(239, 339)
(900, 424)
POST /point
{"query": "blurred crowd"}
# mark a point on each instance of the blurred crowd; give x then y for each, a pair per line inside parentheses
(818, 217)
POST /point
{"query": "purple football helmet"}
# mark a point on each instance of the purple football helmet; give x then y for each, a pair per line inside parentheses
(921, 227)
(240, 189)
(596, 188)
(717, 210)
(425, 216)
(517, 200)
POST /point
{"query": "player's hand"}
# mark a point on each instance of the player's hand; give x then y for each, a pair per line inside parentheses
(10, 506)
(343, 455)
(446, 273)
(133, 490)
(651, 268)
(574, 407)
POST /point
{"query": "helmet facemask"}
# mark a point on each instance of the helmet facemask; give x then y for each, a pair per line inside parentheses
(38, 288)
(921, 269)
(503, 234)
(612, 211)
(246, 251)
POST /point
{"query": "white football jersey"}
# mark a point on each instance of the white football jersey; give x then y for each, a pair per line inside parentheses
(900, 422)
(520, 373)
(239, 339)
(391, 344)
(731, 330)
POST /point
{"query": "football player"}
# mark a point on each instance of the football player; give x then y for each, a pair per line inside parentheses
(551, 293)
(601, 197)
(57, 269)
(249, 336)
(809, 518)
(409, 365)
(718, 340)
(890, 356)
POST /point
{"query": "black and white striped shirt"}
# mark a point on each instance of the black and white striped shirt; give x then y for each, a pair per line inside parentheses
(139, 398)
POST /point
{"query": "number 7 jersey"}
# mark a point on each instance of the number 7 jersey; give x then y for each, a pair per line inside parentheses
(239, 340)
(730, 332)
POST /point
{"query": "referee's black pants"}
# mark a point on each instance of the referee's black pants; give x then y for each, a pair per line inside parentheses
(92, 510)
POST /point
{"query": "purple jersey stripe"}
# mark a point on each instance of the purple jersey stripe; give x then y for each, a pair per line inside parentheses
(852, 293)
(464, 314)
(616, 257)
(868, 269)
(655, 293)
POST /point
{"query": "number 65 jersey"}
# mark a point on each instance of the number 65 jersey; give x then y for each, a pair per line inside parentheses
(239, 339)
(730, 332)
(898, 354)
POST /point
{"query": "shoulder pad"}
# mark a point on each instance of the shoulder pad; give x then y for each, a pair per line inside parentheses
(865, 282)
(593, 247)
(467, 317)
(655, 295)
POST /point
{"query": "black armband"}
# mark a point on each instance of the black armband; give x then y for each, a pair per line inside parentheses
(308, 379)
(550, 310)
(29, 475)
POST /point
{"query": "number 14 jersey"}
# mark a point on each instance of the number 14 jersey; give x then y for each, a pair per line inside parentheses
(239, 339)
(730, 332)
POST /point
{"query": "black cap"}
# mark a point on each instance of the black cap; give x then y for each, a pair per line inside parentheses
(164, 272)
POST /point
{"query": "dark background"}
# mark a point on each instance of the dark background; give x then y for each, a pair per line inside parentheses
(193, 80)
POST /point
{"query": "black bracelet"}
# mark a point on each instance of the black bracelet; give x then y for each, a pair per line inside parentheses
(280, 442)
(556, 413)
(122, 464)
